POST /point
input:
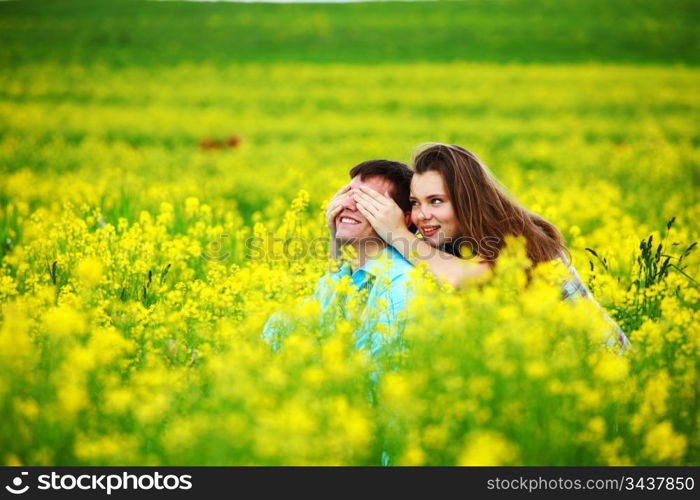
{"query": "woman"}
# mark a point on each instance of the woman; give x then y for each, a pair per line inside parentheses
(460, 209)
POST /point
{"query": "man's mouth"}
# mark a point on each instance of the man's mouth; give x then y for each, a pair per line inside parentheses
(344, 219)
(428, 231)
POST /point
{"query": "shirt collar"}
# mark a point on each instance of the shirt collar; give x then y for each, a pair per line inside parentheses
(379, 264)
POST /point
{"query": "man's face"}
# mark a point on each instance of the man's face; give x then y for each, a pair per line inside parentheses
(350, 224)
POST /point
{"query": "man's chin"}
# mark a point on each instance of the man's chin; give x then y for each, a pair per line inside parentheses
(351, 237)
(348, 234)
(345, 237)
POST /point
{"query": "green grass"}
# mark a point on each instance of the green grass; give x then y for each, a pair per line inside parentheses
(127, 32)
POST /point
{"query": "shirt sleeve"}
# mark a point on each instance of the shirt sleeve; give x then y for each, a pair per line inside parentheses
(275, 329)
(574, 287)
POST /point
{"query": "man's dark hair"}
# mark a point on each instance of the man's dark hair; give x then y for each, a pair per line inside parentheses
(398, 173)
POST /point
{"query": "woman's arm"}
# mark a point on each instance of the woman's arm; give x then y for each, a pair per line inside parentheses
(448, 267)
(389, 221)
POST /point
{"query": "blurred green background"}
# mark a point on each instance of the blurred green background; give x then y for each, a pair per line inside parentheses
(128, 32)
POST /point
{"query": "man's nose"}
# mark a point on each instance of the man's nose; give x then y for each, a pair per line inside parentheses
(349, 203)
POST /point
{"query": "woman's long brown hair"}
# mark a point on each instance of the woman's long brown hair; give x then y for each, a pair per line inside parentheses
(482, 207)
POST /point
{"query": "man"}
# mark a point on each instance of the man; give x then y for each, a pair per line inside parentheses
(375, 269)
(376, 272)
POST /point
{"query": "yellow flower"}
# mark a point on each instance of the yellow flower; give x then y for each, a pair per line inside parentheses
(72, 397)
(414, 456)
(663, 445)
(90, 271)
(191, 207)
(487, 448)
(63, 320)
(611, 368)
(536, 369)
(12, 460)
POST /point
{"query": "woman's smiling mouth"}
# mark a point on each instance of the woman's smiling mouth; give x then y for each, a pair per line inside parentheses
(429, 231)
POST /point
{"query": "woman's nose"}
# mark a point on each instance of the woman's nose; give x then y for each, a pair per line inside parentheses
(422, 214)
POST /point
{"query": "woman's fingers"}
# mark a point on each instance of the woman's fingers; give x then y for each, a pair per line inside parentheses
(361, 205)
(368, 214)
(342, 190)
(368, 201)
(375, 195)
(373, 213)
(336, 210)
(335, 206)
(338, 198)
(341, 194)
(383, 200)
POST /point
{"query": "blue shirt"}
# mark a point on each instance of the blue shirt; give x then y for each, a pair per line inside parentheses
(382, 282)
(388, 287)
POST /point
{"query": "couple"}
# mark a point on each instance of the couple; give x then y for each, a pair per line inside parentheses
(462, 216)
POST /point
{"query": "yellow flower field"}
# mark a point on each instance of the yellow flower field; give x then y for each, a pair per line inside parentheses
(132, 299)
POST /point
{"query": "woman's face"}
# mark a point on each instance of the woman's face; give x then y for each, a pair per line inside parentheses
(432, 210)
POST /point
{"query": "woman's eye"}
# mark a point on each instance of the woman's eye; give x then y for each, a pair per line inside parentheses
(414, 203)
(436, 201)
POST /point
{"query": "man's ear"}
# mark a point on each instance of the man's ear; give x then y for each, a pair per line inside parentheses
(411, 227)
